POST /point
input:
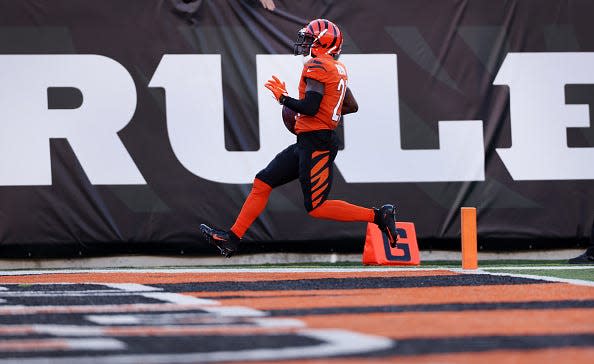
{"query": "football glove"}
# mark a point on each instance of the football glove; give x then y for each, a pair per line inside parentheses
(277, 87)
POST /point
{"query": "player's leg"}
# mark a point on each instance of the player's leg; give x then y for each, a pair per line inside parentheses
(228, 241)
(282, 169)
(338, 210)
(316, 174)
(252, 207)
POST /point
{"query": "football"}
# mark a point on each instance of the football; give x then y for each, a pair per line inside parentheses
(289, 118)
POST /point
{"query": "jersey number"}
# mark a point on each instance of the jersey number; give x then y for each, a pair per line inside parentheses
(342, 88)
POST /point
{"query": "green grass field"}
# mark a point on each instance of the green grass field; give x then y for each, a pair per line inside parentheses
(582, 273)
(544, 268)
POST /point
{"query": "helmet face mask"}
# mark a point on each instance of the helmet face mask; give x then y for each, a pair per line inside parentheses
(303, 44)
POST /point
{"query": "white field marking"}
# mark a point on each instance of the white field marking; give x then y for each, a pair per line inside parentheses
(2, 300)
(335, 343)
(167, 318)
(543, 267)
(234, 311)
(114, 319)
(200, 319)
(269, 322)
(132, 287)
(116, 289)
(71, 344)
(179, 298)
(274, 326)
(196, 318)
(96, 344)
(68, 330)
(9, 308)
(219, 270)
(58, 294)
(578, 282)
(131, 307)
(171, 297)
(126, 290)
(208, 305)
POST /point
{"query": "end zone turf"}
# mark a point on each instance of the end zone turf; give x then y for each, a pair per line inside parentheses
(307, 314)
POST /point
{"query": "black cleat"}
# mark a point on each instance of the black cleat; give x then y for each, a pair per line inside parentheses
(226, 242)
(586, 258)
(385, 218)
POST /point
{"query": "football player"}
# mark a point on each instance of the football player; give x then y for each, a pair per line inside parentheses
(324, 97)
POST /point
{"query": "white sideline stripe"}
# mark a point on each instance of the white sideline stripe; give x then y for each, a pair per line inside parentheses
(8, 308)
(95, 344)
(2, 300)
(170, 297)
(260, 270)
(3, 289)
(219, 270)
(58, 294)
(113, 319)
(124, 289)
(542, 267)
(179, 298)
(87, 330)
(71, 344)
(578, 282)
(132, 287)
(270, 322)
(171, 319)
(223, 311)
(234, 311)
(336, 342)
(130, 307)
(67, 330)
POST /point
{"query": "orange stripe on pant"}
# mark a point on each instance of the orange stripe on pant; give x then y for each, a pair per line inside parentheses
(320, 179)
(317, 193)
(318, 176)
(318, 153)
(318, 166)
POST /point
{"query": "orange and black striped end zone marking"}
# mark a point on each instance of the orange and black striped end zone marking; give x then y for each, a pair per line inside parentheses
(411, 316)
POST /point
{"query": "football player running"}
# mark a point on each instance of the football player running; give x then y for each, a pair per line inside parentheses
(323, 98)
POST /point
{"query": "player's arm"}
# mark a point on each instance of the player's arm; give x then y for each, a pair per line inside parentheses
(349, 104)
(309, 105)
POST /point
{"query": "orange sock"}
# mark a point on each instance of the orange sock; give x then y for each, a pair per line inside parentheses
(342, 211)
(252, 207)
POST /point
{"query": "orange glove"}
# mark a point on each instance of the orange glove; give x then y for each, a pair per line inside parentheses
(277, 87)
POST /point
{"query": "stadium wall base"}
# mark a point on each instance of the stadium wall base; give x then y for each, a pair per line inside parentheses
(145, 261)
